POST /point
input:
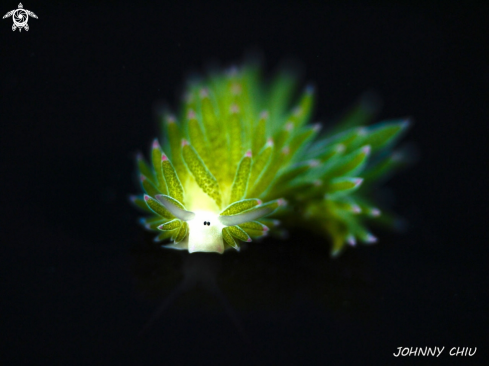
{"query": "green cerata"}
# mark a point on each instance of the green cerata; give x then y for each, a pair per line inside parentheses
(241, 161)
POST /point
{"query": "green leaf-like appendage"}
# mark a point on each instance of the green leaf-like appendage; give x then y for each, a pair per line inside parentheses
(271, 205)
(156, 159)
(350, 164)
(198, 139)
(261, 162)
(259, 137)
(236, 139)
(173, 184)
(182, 233)
(170, 225)
(157, 207)
(382, 135)
(240, 183)
(269, 174)
(343, 186)
(239, 233)
(175, 147)
(228, 238)
(152, 223)
(254, 229)
(164, 236)
(240, 206)
(140, 203)
(202, 175)
(148, 186)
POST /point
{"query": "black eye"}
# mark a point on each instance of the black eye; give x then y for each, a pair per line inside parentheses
(208, 223)
(205, 222)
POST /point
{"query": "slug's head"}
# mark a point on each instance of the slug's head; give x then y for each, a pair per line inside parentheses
(205, 229)
(205, 233)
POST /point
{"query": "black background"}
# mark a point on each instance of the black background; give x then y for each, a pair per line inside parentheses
(79, 277)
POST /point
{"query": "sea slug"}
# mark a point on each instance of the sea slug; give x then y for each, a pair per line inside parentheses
(241, 161)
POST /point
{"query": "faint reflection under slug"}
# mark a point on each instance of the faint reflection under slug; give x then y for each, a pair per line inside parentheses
(265, 277)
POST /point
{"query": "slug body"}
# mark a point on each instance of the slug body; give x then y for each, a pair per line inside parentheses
(238, 161)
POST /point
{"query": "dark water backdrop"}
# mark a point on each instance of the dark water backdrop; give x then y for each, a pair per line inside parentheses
(82, 284)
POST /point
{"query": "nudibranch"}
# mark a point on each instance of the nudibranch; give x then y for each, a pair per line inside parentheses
(241, 160)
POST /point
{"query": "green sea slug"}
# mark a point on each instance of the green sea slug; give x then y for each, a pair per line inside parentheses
(241, 161)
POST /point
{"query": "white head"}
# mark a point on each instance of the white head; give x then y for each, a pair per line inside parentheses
(205, 228)
(205, 233)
